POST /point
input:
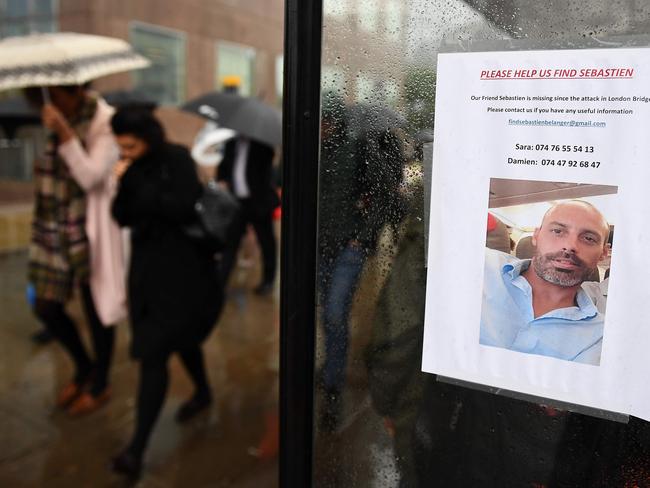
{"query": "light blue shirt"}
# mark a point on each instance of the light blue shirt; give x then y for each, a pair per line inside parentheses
(508, 321)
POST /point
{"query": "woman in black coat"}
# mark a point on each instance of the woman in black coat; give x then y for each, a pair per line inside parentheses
(174, 296)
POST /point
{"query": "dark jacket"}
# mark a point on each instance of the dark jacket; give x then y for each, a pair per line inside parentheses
(173, 294)
(259, 174)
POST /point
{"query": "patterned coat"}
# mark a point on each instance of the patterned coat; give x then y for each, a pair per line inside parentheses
(74, 237)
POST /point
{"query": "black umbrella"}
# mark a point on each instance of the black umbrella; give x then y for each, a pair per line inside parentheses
(121, 98)
(248, 116)
(15, 112)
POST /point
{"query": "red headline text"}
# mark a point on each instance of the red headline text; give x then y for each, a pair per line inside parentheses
(559, 73)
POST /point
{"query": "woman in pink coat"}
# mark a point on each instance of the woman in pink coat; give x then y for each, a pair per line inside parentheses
(75, 243)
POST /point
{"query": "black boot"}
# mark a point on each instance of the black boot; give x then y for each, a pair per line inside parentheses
(127, 463)
(193, 407)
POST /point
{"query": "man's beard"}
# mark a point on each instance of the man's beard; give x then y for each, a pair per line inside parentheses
(546, 269)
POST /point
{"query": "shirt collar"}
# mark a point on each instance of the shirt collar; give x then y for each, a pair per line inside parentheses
(515, 268)
(585, 308)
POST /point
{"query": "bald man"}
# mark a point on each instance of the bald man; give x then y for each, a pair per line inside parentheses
(537, 306)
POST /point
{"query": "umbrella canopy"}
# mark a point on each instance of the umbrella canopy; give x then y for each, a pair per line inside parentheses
(248, 116)
(206, 149)
(63, 58)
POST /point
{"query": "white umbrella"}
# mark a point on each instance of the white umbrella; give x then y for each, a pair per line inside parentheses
(63, 58)
(206, 148)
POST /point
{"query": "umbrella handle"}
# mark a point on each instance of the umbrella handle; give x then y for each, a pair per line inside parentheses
(46, 95)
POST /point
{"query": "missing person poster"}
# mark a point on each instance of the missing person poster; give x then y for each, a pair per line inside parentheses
(539, 245)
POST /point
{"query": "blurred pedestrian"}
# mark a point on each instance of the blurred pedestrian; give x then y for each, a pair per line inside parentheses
(247, 169)
(74, 240)
(394, 354)
(173, 286)
(359, 184)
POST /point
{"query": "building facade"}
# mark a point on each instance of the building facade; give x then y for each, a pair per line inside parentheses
(192, 45)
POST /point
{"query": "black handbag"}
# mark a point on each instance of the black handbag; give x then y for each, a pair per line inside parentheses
(217, 210)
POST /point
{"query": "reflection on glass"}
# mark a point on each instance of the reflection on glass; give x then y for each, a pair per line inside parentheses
(393, 18)
(368, 15)
(380, 421)
(336, 8)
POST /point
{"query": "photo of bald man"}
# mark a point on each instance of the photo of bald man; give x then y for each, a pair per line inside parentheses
(538, 305)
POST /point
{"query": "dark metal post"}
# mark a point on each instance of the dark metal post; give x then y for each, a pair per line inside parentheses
(298, 269)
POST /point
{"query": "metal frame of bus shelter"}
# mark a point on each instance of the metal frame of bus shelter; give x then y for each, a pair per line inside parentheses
(301, 122)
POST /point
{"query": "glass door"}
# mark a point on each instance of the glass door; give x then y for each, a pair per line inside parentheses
(360, 109)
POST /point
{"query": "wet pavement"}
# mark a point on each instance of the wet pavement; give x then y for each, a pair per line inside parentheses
(43, 446)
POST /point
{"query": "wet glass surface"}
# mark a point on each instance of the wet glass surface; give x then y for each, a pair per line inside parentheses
(380, 421)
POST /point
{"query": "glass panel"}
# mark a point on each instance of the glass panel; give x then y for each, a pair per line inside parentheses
(332, 79)
(43, 26)
(236, 61)
(17, 8)
(368, 15)
(164, 81)
(15, 28)
(379, 421)
(336, 8)
(43, 7)
(365, 87)
(279, 77)
(393, 19)
(19, 17)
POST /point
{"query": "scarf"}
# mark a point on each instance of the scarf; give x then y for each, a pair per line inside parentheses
(59, 252)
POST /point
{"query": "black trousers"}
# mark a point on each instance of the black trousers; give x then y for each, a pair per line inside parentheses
(152, 390)
(262, 223)
(62, 327)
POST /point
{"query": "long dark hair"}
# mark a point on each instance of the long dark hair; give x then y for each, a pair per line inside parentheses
(139, 122)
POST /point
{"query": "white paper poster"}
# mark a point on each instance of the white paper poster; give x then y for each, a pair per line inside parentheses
(553, 146)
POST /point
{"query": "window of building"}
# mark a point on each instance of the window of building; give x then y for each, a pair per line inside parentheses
(21, 17)
(368, 15)
(393, 19)
(164, 81)
(332, 79)
(390, 92)
(236, 60)
(335, 8)
(365, 88)
(279, 77)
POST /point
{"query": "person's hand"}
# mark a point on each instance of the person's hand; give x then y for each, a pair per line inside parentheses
(120, 167)
(54, 120)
